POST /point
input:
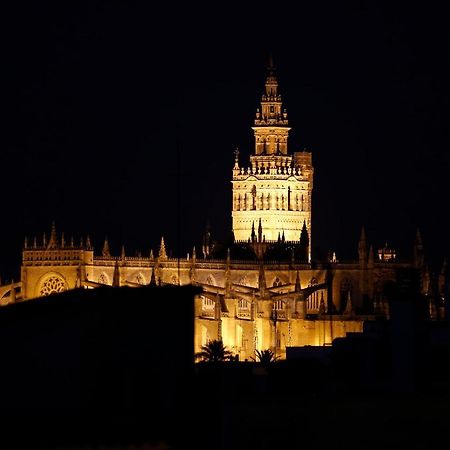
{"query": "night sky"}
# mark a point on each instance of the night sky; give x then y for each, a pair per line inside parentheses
(100, 97)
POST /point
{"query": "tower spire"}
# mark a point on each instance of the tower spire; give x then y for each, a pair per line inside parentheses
(162, 249)
(362, 247)
(116, 275)
(53, 241)
(106, 252)
(275, 182)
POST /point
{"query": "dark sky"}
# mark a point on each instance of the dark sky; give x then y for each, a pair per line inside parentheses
(100, 96)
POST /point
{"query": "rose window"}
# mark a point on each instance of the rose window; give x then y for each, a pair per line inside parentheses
(52, 285)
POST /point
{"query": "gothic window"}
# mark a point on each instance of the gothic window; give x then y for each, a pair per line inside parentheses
(52, 285)
(244, 309)
(174, 279)
(276, 282)
(208, 307)
(278, 305)
(313, 299)
(279, 310)
(210, 280)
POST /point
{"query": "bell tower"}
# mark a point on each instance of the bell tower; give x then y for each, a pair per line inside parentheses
(275, 189)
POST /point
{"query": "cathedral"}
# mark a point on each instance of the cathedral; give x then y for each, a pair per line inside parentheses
(261, 289)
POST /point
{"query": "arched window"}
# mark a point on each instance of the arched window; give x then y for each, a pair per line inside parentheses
(312, 303)
(208, 307)
(279, 310)
(277, 282)
(52, 285)
(244, 309)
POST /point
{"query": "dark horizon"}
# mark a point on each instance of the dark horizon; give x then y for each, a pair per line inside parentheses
(99, 99)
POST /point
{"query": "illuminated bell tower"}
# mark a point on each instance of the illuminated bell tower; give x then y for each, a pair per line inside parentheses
(275, 190)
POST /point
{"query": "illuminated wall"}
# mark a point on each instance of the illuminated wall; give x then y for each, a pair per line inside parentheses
(275, 189)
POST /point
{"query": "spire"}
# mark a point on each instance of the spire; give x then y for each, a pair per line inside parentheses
(122, 253)
(44, 240)
(253, 235)
(162, 249)
(206, 244)
(34, 242)
(362, 247)
(260, 231)
(53, 241)
(153, 278)
(371, 257)
(78, 277)
(262, 281)
(63, 240)
(236, 159)
(151, 254)
(193, 262)
(322, 308)
(106, 252)
(25, 244)
(348, 306)
(298, 286)
(228, 275)
(88, 243)
(71, 242)
(116, 275)
(12, 297)
(271, 114)
(304, 243)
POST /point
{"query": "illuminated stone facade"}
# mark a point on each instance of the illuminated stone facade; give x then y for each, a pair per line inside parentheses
(274, 192)
(263, 292)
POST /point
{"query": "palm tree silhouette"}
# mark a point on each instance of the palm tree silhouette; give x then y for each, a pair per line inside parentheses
(265, 356)
(214, 351)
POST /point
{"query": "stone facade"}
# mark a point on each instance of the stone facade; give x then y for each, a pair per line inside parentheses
(263, 291)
